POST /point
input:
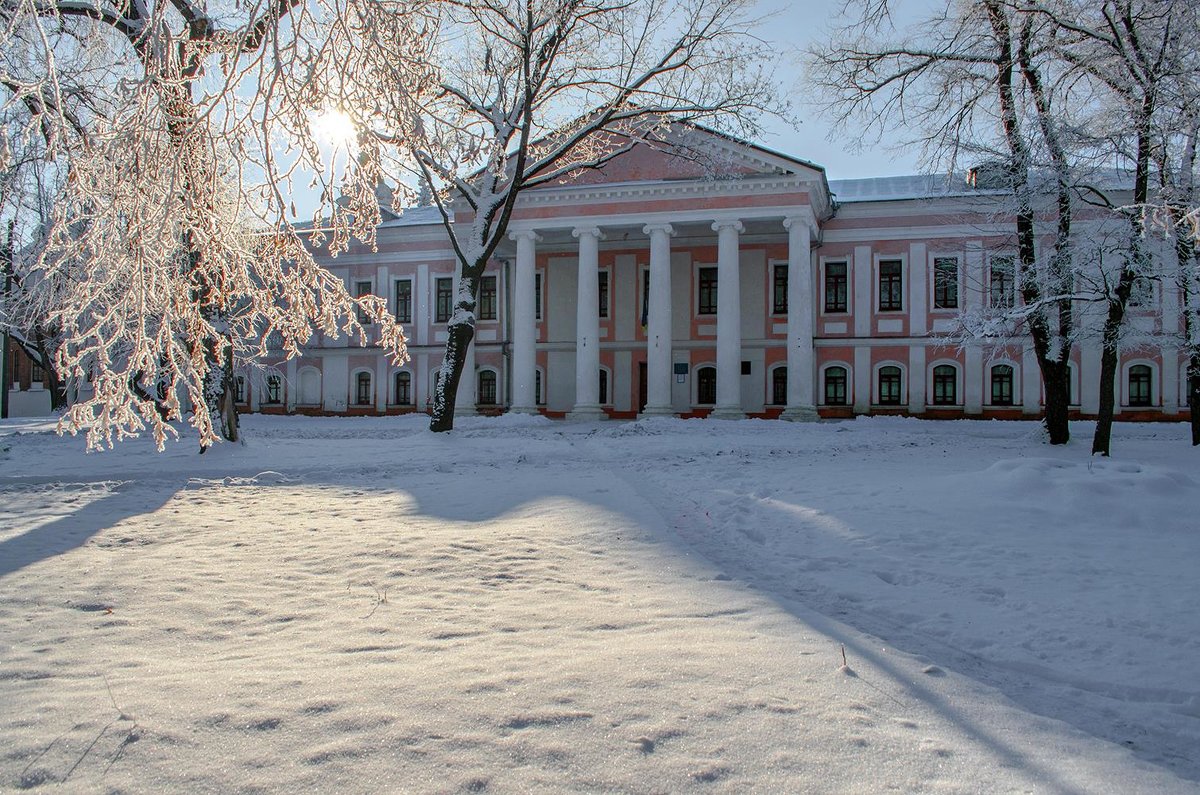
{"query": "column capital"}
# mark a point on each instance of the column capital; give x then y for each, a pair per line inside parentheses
(802, 219)
(529, 234)
(728, 223)
(652, 228)
(593, 231)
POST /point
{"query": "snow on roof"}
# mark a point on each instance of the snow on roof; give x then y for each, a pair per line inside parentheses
(913, 186)
(416, 216)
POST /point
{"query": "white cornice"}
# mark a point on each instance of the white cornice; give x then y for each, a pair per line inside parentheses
(572, 194)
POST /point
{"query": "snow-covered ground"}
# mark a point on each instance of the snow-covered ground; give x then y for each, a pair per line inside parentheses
(357, 605)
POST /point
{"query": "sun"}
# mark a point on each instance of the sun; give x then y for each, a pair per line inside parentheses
(333, 128)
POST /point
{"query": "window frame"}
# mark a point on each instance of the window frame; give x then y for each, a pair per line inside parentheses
(895, 301)
(489, 396)
(1008, 300)
(993, 372)
(939, 382)
(273, 389)
(845, 288)
(408, 318)
(1142, 401)
(779, 288)
(939, 284)
(396, 377)
(363, 288)
(441, 314)
(489, 297)
(845, 385)
(538, 292)
(899, 378)
(604, 294)
(358, 388)
(777, 398)
(706, 288)
(701, 385)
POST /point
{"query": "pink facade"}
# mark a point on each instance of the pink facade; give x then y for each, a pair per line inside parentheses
(840, 298)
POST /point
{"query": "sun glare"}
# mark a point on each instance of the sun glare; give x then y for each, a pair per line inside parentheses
(333, 128)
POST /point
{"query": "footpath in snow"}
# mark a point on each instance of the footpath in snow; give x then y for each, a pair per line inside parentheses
(358, 605)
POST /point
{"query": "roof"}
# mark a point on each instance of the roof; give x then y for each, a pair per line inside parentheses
(912, 186)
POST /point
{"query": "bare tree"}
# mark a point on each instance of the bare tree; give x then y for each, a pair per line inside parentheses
(972, 84)
(530, 92)
(167, 257)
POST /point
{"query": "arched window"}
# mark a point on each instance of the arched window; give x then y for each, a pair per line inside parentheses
(889, 386)
(945, 385)
(402, 393)
(487, 387)
(310, 387)
(362, 389)
(1002, 385)
(835, 386)
(1139, 385)
(274, 388)
(779, 386)
(603, 386)
(706, 386)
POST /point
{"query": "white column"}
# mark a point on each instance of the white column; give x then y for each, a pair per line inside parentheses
(658, 331)
(524, 360)
(972, 380)
(800, 369)
(587, 325)
(464, 398)
(729, 321)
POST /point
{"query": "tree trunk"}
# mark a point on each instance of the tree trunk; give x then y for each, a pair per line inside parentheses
(58, 392)
(459, 339)
(1056, 376)
(1194, 396)
(1109, 358)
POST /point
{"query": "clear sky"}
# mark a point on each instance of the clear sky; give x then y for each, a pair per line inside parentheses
(793, 25)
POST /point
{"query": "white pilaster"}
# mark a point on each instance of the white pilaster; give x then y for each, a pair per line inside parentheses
(729, 321)
(658, 322)
(587, 327)
(800, 354)
(383, 383)
(293, 385)
(916, 379)
(973, 380)
(1031, 383)
(524, 359)
(1089, 379)
(1170, 379)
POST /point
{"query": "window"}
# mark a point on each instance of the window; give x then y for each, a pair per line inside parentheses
(1139, 385)
(1002, 385)
(891, 286)
(274, 388)
(38, 374)
(835, 386)
(603, 387)
(362, 289)
(16, 365)
(706, 386)
(1141, 292)
(1002, 283)
(835, 287)
(537, 387)
(603, 275)
(746, 368)
(487, 298)
(443, 289)
(779, 290)
(362, 389)
(487, 387)
(945, 385)
(779, 386)
(537, 296)
(889, 386)
(707, 279)
(402, 392)
(404, 300)
(239, 389)
(945, 283)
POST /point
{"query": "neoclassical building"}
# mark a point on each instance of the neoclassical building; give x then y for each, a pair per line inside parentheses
(742, 282)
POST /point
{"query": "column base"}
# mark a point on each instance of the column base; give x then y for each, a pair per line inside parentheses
(727, 413)
(522, 410)
(465, 411)
(657, 411)
(587, 413)
(800, 414)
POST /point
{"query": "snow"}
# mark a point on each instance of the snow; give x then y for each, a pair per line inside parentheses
(355, 604)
